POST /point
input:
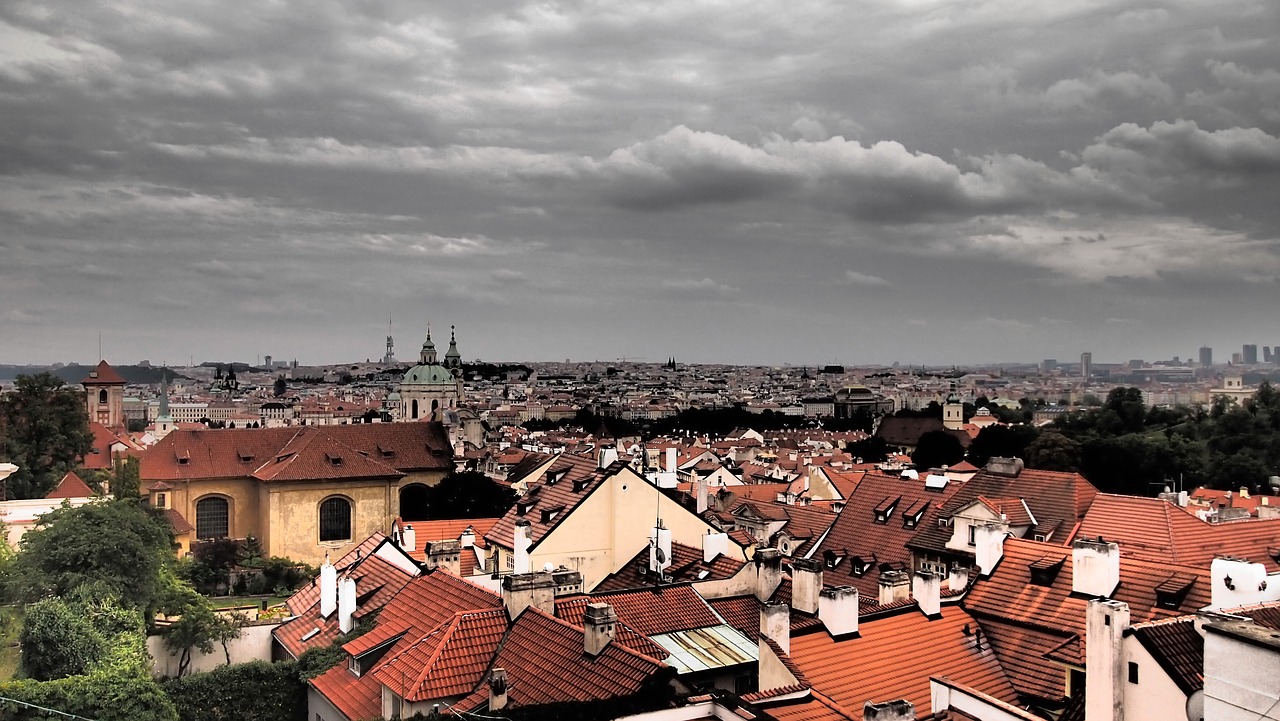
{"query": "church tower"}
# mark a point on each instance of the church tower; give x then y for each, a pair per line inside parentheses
(164, 424)
(427, 356)
(104, 396)
(953, 412)
(452, 358)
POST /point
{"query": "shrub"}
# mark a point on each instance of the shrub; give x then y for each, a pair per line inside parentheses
(254, 691)
(58, 640)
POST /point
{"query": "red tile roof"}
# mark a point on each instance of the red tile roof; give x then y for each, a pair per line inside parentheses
(448, 660)
(816, 707)
(1057, 501)
(357, 697)
(240, 452)
(565, 483)
(1023, 653)
(313, 454)
(423, 604)
(177, 522)
(1178, 648)
(545, 664)
(449, 529)
(893, 657)
(103, 374)
(650, 612)
(71, 487)
(309, 595)
(857, 535)
(686, 566)
(1160, 531)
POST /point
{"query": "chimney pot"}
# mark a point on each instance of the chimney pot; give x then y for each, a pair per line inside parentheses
(775, 623)
(328, 588)
(498, 689)
(346, 604)
(768, 572)
(599, 622)
(838, 610)
(806, 584)
(520, 591)
(927, 589)
(900, 710)
(894, 586)
(1095, 567)
(523, 539)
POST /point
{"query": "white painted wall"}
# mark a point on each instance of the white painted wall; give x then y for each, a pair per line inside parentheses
(254, 644)
(1241, 680)
(1155, 696)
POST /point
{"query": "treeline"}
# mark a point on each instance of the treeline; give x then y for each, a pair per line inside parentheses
(1122, 446)
(699, 421)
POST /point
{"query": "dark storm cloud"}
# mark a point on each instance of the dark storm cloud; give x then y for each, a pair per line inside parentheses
(557, 178)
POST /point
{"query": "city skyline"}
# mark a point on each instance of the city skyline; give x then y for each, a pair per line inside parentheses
(922, 182)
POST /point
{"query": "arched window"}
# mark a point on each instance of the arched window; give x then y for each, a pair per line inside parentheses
(102, 396)
(335, 520)
(415, 408)
(213, 516)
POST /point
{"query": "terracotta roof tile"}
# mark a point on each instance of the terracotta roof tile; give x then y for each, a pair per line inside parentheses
(1178, 648)
(309, 595)
(103, 374)
(71, 487)
(650, 612)
(1022, 652)
(448, 660)
(448, 529)
(239, 452)
(177, 522)
(564, 484)
(893, 657)
(357, 697)
(423, 604)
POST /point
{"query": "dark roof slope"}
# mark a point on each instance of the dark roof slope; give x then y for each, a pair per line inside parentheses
(551, 497)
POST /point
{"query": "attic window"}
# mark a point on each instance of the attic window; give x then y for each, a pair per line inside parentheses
(549, 514)
(580, 485)
(885, 510)
(387, 452)
(1173, 591)
(1040, 537)
(334, 460)
(554, 476)
(860, 567)
(523, 508)
(943, 523)
(911, 520)
(245, 456)
(831, 560)
(1045, 570)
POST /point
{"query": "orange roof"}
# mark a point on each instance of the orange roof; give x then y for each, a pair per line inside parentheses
(545, 664)
(423, 604)
(815, 708)
(893, 658)
(315, 455)
(661, 610)
(448, 660)
(448, 529)
(686, 566)
(103, 375)
(309, 595)
(240, 452)
(1160, 531)
(357, 697)
(71, 487)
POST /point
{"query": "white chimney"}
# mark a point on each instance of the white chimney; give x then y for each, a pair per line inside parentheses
(598, 623)
(346, 604)
(671, 459)
(959, 578)
(523, 539)
(894, 586)
(768, 572)
(700, 493)
(806, 584)
(714, 544)
(927, 590)
(988, 546)
(328, 588)
(608, 456)
(498, 689)
(659, 548)
(775, 623)
(900, 710)
(1104, 686)
(1095, 567)
(468, 537)
(408, 539)
(838, 610)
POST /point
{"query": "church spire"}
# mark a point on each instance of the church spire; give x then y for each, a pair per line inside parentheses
(452, 358)
(428, 355)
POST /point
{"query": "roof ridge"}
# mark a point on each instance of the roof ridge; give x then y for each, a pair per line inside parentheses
(562, 622)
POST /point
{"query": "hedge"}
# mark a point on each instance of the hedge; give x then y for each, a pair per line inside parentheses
(103, 696)
(253, 691)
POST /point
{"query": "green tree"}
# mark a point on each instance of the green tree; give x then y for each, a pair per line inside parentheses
(1003, 441)
(46, 430)
(1053, 451)
(937, 448)
(871, 449)
(468, 494)
(279, 387)
(198, 627)
(126, 481)
(59, 640)
(116, 546)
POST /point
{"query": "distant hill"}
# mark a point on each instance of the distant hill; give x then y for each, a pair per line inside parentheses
(75, 373)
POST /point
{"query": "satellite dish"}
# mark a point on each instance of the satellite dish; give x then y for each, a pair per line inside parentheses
(1195, 705)
(662, 557)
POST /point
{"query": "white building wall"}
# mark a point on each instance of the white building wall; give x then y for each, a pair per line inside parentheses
(1155, 696)
(254, 644)
(1241, 679)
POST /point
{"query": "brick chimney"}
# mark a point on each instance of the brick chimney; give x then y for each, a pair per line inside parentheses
(900, 710)
(838, 610)
(927, 590)
(775, 623)
(806, 584)
(894, 586)
(444, 554)
(768, 572)
(497, 689)
(408, 538)
(714, 544)
(523, 539)
(346, 603)
(988, 546)
(1104, 686)
(328, 588)
(1095, 567)
(522, 590)
(598, 623)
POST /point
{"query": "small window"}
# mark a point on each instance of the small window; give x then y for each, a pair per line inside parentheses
(159, 500)
(1133, 672)
(102, 396)
(973, 535)
(335, 520)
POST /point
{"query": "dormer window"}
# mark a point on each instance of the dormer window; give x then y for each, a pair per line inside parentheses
(1045, 570)
(335, 460)
(859, 567)
(831, 559)
(1173, 591)
(554, 476)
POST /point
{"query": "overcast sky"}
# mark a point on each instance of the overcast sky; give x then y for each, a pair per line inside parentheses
(754, 182)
